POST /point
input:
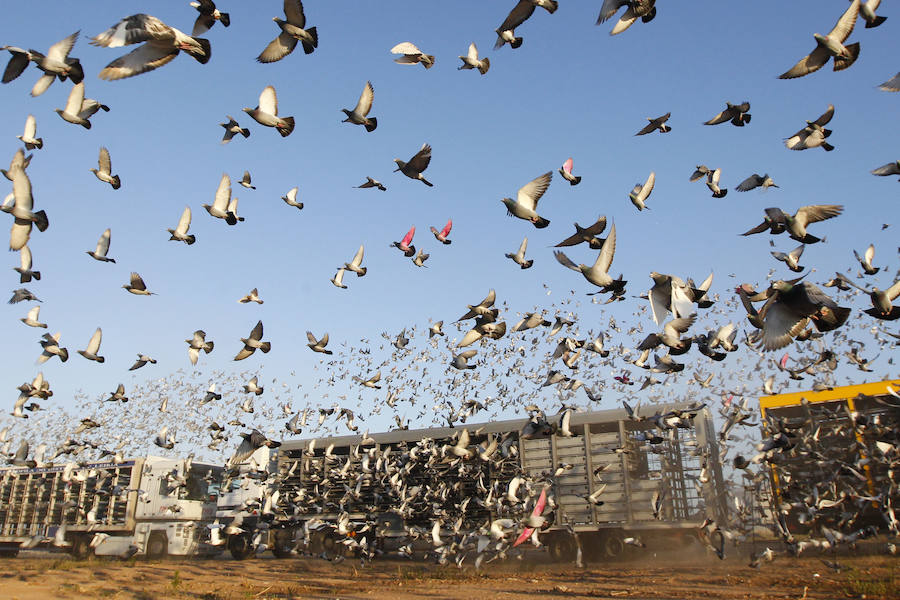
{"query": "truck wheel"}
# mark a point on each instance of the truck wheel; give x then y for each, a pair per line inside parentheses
(239, 546)
(613, 545)
(81, 547)
(157, 546)
(562, 548)
(283, 544)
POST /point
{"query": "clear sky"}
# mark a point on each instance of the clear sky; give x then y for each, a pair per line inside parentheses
(570, 90)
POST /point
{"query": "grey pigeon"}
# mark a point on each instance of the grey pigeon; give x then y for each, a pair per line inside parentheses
(21, 295)
(293, 30)
(791, 258)
(587, 235)
(291, 198)
(789, 307)
(639, 193)
(372, 183)
(471, 60)
(828, 46)
(161, 45)
(180, 233)
(598, 274)
(232, 129)
(104, 172)
(519, 257)
(416, 165)
(891, 85)
(359, 114)
(93, 347)
(755, 181)
(56, 63)
(253, 342)
(102, 249)
(736, 113)
(657, 124)
(867, 12)
(777, 221)
(525, 204)
(28, 136)
(79, 109)
(814, 134)
(208, 16)
(892, 168)
(520, 13)
(266, 112)
(645, 10)
(412, 55)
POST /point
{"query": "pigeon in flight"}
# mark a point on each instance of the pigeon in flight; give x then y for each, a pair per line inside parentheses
(598, 274)
(587, 235)
(291, 198)
(777, 221)
(293, 30)
(418, 163)
(892, 168)
(93, 347)
(253, 342)
(104, 173)
(789, 307)
(566, 171)
(137, 286)
(755, 181)
(441, 235)
(318, 345)
(525, 204)
(28, 135)
(412, 55)
(813, 134)
(338, 279)
(865, 261)
(355, 265)
(792, 258)
(220, 207)
(519, 257)
(246, 181)
(867, 12)
(736, 113)
(253, 296)
(51, 348)
(266, 112)
(79, 109)
(471, 60)
(23, 295)
(405, 245)
(142, 359)
(180, 233)
(891, 85)
(232, 129)
(56, 63)
(208, 16)
(20, 204)
(359, 114)
(645, 10)
(882, 300)
(31, 319)
(196, 344)
(640, 193)
(372, 183)
(520, 13)
(659, 123)
(830, 46)
(161, 45)
(712, 182)
(420, 258)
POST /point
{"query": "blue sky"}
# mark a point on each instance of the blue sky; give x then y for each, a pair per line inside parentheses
(570, 90)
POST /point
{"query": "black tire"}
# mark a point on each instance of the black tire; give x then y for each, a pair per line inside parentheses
(562, 548)
(239, 546)
(157, 546)
(81, 547)
(613, 545)
(283, 544)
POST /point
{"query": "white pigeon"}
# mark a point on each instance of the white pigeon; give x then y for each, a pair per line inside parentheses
(220, 206)
(28, 136)
(93, 347)
(102, 248)
(180, 233)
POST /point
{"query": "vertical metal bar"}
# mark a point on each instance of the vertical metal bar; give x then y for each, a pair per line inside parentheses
(626, 479)
(589, 468)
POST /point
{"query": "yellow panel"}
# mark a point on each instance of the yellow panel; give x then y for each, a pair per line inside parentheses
(877, 388)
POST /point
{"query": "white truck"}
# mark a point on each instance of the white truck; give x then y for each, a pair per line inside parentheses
(149, 506)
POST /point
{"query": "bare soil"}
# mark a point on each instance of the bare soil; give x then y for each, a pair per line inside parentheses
(41, 576)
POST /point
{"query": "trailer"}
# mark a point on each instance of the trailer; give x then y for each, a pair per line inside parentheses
(832, 457)
(607, 476)
(149, 506)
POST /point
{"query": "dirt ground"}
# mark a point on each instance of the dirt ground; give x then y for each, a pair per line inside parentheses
(42, 576)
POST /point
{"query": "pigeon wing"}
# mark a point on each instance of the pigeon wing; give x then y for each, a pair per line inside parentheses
(407, 239)
(60, 50)
(103, 243)
(223, 193)
(104, 161)
(844, 26)
(358, 257)
(810, 63)
(529, 195)
(268, 101)
(365, 100)
(607, 252)
(145, 58)
(278, 48)
(93, 346)
(421, 160)
(293, 10)
(748, 184)
(565, 261)
(518, 15)
(184, 222)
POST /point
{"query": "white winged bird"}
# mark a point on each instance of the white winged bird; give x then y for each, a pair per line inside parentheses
(219, 208)
(196, 344)
(104, 172)
(598, 274)
(317, 345)
(566, 171)
(79, 109)
(712, 182)
(25, 271)
(28, 136)
(355, 265)
(161, 44)
(56, 63)
(180, 233)
(645, 10)
(266, 112)
(20, 204)
(814, 134)
(246, 181)
(471, 60)
(525, 204)
(51, 348)
(640, 193)
(253, 296)
(792, 258)
(830, 46)
(293, 30)
(338, 279)
(291, 198)
(102, 248)
(359, 114)
(412, 55)
(865, 261)
(519, 257)
(93, 347)
(253, 342)
(31, 319)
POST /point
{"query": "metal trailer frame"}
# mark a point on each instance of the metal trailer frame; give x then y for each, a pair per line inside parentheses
(831, 407)
(631, 478)
(36, 502)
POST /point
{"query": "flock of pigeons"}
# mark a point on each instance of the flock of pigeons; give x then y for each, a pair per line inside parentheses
(428, 376)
